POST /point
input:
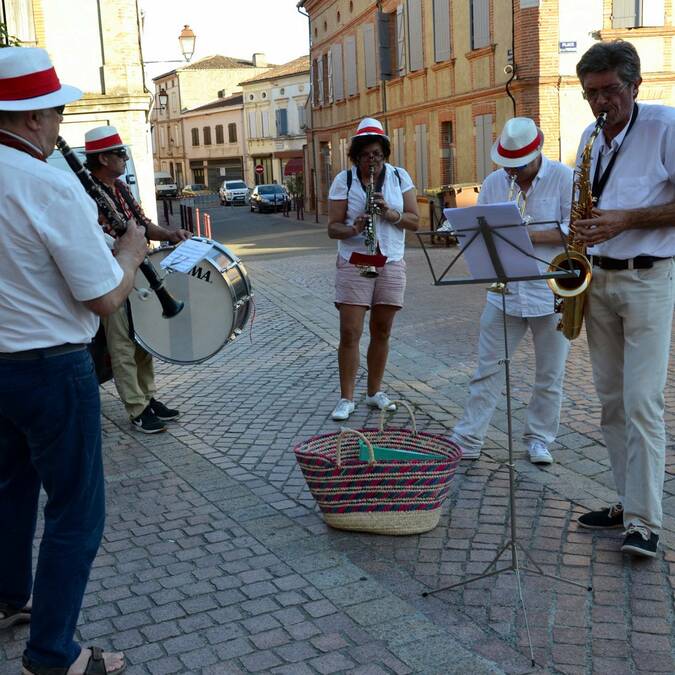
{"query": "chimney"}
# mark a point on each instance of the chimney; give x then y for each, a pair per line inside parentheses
(259, 60)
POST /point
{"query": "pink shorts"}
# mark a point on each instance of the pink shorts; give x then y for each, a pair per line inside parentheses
(386, 289)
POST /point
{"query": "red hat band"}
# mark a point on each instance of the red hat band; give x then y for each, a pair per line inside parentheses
(370, 130)
(103, 143)
(521, 152)
(29, 86)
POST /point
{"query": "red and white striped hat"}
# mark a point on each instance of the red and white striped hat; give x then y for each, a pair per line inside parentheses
(102, 139)
(369, 126)
(520, 142)
(28, 81)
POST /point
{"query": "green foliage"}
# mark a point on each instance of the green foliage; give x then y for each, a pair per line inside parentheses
(7, 40)
(295, 185)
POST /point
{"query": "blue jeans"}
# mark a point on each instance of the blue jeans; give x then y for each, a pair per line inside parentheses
(50, 436)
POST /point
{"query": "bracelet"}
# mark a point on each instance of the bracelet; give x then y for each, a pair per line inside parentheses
(399, 219)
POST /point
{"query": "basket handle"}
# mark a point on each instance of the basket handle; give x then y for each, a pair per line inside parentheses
(338, 450)
(408, 407)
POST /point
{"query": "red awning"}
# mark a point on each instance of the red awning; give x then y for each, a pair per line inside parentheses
(293, 166)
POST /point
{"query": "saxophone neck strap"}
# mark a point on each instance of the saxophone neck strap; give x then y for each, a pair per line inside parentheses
(599, 181)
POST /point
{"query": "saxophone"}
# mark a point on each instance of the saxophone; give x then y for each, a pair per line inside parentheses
(369, 230)
(571, 293)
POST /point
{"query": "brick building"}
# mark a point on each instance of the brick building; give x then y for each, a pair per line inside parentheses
(444, 76)
(96, 47)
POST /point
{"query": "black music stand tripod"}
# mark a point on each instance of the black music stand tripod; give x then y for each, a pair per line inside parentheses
(491, 235)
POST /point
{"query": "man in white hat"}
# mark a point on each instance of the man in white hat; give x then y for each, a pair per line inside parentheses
(543, 190)
(57, 276)
(132, 366)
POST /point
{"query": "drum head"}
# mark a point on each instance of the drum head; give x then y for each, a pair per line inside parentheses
(205, 323)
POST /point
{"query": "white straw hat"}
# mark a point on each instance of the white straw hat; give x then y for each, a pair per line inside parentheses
(28, 81)
(520, 142)
(369, 126)
(102, 139)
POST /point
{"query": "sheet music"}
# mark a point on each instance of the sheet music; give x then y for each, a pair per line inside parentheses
(515, 263)
(185, 256)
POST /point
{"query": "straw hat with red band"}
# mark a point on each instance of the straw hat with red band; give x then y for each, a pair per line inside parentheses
(28, 81)
(520, 142)
(102, 139)
(369, 126)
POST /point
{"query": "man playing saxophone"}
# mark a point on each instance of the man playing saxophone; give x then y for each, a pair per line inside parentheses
(629, 305)
(543, 190)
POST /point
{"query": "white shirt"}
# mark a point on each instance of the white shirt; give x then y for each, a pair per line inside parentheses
(643, 175)
(549, 198)
(53, 256)
(390, 238)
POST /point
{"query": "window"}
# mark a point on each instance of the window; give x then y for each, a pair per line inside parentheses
(315, 82)
(282, 121)
(325, 78)
(207, 135)
(369, 54)
(421, 157)
(442, 48)
(400, 40)
(195, 137)
(320, 80)
(219, 134)
(232, 132)
(302, 122)
(447, 177)
(480, 23)
(350, 65)
(252, 127)
(416, 51)
(19, 20)
(483, 146)
(338, 83)
(637, 13)
(176, 135)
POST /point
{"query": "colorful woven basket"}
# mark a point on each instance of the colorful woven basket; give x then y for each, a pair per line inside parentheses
(381, 497)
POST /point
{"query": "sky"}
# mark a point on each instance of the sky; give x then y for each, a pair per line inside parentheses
(227, 27)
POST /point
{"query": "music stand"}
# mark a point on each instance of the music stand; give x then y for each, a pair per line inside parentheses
(491, 236)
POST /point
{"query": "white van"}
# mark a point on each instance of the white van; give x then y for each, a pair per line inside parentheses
(165, 185)
(233, 192)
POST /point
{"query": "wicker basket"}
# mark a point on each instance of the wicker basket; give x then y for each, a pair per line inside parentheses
(380, 497)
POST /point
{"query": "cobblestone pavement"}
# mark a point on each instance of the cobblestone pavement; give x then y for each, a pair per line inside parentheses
(216, 560)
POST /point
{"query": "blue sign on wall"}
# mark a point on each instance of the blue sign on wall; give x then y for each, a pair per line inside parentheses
(569, 46)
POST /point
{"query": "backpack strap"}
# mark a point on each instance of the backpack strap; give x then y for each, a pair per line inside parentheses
(349, 181)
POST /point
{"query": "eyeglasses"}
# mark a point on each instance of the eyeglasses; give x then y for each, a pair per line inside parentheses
(605, 92)
(377, 156)
(59, 109)
(121, 153)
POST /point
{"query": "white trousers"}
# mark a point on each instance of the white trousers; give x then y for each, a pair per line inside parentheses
(629, 316)
(543, 410)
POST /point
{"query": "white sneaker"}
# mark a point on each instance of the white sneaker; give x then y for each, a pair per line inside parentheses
(539, 453)
(380, 400)
(343, 409)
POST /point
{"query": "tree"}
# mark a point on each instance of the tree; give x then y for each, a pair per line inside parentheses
(7, 40)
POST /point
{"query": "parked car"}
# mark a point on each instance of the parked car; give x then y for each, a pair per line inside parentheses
(233, 192)
(196, 189)
(271, 197)
(165, 185)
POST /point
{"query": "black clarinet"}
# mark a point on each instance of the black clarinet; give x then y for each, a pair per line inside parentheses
(170, 306)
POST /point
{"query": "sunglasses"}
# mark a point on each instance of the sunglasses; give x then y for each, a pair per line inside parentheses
(121, 153)
(59, 109)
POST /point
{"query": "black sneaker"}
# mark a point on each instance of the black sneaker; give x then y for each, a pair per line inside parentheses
(606, 519)
(640, 541)
(162, 412)
(148, 423)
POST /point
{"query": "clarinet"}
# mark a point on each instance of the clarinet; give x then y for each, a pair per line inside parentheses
(170, 306)
(369, 231)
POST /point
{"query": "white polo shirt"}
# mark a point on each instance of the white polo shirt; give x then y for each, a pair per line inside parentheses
(643, 175)
(53, 256)
(391, 238)
(549, 198)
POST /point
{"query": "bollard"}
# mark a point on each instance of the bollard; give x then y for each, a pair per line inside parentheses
(198, 223)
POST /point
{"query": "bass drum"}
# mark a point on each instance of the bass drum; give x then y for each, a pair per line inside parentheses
(217, 296)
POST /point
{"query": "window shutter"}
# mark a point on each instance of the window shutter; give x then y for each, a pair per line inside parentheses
(329, 73)
(338, 81)
(384, 46)
(282, 122)
(400, 40)
(416, 52)
(441, 30)
(253, 132)
(315, 82)
(483, 146)
(480, 23)
(232, 132)
(421, 156)
(265, 123)
(400, 146)
(350, 65)
(320, 79)
(626, 13)
(369, 51)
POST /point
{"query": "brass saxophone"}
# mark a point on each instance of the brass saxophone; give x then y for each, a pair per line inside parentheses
(369, 231)
(571, 293)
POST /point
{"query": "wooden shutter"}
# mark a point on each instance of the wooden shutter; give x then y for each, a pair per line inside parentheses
(626, 13)
(421, 156)
(315, 82)
(329, 75)
(252, 131)
(441, 30)
(369, 51)
(400, 40)
(416, 51)
(350, 65)
(384, 45)
(265, 123)
(282, 122)
(480, 23)
(338, 79)
(483, 146)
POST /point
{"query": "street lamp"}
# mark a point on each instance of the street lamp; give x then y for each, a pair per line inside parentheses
(162, 99)
(187, 40)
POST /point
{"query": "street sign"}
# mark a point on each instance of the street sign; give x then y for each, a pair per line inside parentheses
(259, 169)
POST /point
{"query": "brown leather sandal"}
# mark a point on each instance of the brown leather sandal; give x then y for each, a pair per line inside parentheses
(11, 615)
(95, 666)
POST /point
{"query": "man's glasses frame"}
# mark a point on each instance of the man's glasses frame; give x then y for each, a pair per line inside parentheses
(377, 156)
(119, 152)
(605, 92)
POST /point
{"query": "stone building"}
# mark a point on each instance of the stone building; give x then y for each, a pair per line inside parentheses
(444, 76)
(96, 47)
(274, 109)
(189, 87)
